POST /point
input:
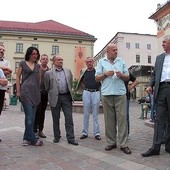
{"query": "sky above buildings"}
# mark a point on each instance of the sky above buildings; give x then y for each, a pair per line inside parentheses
(100, 18)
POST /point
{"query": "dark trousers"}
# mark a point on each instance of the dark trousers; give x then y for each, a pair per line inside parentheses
(64, 103)
(2, 96)
(162, 119)
(40, 113)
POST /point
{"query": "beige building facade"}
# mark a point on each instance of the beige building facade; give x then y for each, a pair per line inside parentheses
(49, 37)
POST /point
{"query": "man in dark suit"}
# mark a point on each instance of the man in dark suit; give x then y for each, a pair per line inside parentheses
(58, 83)
(160, 80)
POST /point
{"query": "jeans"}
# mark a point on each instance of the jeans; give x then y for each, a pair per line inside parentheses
(29, 111)
(91, 103)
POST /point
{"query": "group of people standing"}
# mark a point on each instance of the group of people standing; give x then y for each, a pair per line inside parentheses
(111, 77)
(36, 86)
(108, 82)
(114, 77)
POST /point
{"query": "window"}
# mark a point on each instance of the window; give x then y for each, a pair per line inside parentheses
(128, 45)
(35, 45)
(149, 46)
(55, 50)
(149, 59)
(19, 48)
(16, 65)
(137, 58)
(137, 45)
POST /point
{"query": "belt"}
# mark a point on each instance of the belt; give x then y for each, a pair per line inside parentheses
(92, 90)
(165, 82)
(64, 93)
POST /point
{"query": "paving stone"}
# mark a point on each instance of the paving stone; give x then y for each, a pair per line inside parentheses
(89, 155)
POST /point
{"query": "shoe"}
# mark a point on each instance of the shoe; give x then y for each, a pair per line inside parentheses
(126, 150)
(56, 140)
(36, 136)
(110, 147)
(150, 152)
(83, 136)
(97, 137)
(25, 143)
(41, 134)
(0, 140)
(38, 143)
(73, 142)
(128, 137)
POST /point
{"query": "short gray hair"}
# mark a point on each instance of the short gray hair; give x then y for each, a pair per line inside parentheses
(167, 37)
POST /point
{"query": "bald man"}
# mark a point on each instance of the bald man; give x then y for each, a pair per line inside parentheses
(112, 72)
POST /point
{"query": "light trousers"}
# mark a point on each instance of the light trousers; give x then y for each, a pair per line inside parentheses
(91, 103)
(115, 115)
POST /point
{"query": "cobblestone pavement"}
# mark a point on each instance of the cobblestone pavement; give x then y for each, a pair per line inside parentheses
(89, 155)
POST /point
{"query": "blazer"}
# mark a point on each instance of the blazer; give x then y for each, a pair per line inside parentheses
(51, 85)
(157, 72)
(80, 87)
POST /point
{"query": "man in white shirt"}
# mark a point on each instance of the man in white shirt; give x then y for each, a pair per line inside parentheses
(160, 80)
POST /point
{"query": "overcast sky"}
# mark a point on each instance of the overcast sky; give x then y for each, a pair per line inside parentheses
(100, 18)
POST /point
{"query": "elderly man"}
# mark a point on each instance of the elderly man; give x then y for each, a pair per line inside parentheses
(5, 66)
(3, 83)
(112, 72)
(91, 98)
(160, 80)
(58, 83)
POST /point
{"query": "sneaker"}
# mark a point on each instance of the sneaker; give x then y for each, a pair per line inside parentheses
(128, 137)
(25, 143)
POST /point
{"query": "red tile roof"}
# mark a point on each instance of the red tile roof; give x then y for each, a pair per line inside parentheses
(49, 26)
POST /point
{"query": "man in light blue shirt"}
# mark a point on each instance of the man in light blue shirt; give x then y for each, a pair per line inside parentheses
(112, 72)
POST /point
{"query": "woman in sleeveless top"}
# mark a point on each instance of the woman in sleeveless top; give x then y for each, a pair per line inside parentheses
(29, 92)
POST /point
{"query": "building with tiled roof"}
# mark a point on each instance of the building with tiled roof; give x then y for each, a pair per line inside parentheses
(50, 37)
(162, 19)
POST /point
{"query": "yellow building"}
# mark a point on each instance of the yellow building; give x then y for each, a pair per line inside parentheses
(49, 37)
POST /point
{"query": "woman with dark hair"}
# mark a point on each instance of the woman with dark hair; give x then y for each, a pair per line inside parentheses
(29, 92)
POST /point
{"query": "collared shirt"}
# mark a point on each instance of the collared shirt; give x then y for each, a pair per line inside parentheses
(5, 63)
(61, 79)
(112, 85)
(2, 76)
(166, 69)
